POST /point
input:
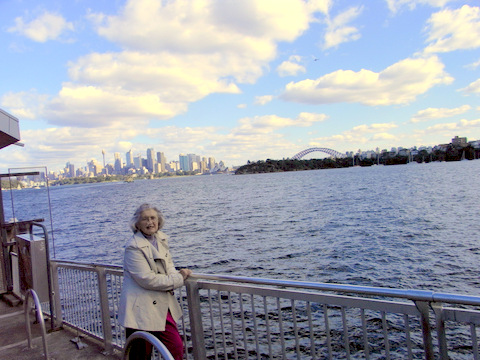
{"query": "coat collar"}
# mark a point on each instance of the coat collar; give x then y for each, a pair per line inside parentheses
(147, 247)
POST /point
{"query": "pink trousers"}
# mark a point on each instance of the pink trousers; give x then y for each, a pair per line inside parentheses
(170, 338)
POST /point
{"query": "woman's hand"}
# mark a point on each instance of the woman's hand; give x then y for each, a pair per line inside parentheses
(185, 273)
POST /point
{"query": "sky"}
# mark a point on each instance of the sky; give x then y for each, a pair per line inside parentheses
(237, 80)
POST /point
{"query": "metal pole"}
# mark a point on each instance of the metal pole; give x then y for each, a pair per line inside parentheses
(49, 274)
(57, 316)
(196, 325)
(442, 340)
(423, 307)
(105, 313)
(5, 253)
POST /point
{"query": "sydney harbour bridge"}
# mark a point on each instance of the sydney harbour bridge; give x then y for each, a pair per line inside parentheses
(330, 152)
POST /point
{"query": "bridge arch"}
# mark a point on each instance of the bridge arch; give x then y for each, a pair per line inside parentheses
(330, 152)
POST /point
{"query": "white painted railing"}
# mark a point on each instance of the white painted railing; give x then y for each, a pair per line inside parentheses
(248, 318)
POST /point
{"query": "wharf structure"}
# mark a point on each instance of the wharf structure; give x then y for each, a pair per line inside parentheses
(226, 317)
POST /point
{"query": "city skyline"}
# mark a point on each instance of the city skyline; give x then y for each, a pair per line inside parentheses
(151, 162)
(238, 80)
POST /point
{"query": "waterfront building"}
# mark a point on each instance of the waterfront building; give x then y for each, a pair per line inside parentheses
(172, 166)
(118, 166)
(129, 158)
(70, 170)
(194, 161)
(161, 160)
(184, 163)
(211, 163)
(459, 141)
(137, 162)
(94, 168)
(150, 160)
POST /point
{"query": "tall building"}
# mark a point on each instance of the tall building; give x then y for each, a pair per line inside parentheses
(184, 163)
(129, 157)
(193, 161)
(204, 165)
(137, 162)
(70, 169)
(118, 163)
(150, 160)
(94, 168)
(211, 163)
(161, 160)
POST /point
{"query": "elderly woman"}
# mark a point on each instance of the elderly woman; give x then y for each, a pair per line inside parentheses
(147, 302)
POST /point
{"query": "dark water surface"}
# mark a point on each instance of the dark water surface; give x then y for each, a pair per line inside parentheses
(405, 226)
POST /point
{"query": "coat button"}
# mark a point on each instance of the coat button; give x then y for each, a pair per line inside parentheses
(154, 302)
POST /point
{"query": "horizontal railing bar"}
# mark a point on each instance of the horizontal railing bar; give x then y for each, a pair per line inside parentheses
(88, 266)
(76, 264)
(461, 315)
(414, 295)
(338, 300)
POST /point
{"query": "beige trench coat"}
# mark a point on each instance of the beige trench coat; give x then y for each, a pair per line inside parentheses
(149, 278)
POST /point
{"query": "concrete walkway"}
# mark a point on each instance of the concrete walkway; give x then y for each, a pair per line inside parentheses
(14, 342)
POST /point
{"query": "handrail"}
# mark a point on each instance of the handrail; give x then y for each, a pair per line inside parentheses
(87, 265)
(157, 344)
(39, 315)
(414, 295)
(49, 273)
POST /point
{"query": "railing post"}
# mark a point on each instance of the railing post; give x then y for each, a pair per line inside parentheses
(423, 307)
(104, 309)
(39, 316)
(195, 314)
(440, 322)
(57, 317)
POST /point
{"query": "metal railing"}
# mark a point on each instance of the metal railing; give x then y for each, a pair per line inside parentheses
(39, 318)
(145, 336)
(250, 318)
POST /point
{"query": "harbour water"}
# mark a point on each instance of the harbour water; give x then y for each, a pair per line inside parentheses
(406, 226)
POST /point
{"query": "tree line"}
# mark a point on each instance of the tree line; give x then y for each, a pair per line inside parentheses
(451, 153)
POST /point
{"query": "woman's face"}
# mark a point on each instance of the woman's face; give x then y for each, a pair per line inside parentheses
(148, 223)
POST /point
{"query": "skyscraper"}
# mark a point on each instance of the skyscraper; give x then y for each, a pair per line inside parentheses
(211, 163)
(184, 163)
(118, 163)
(129, 157)
(151, 160)
(137, 162)
(161, 160)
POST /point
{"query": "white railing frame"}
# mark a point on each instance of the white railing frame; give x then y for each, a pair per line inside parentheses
(424, 302)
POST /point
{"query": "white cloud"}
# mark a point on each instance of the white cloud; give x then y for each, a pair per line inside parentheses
(176, 52)
(449, 127)
(437, 113)
(358, 135)
(291, 67)
(400, 83)
(450, 30)
(262, 100)
(90, 106)
(24, 105)
(268, 123)
(48, 26)
(474, 65)
(227, 26)
(396, 5)
(472, 88)
(338, 30)
(384, 136)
